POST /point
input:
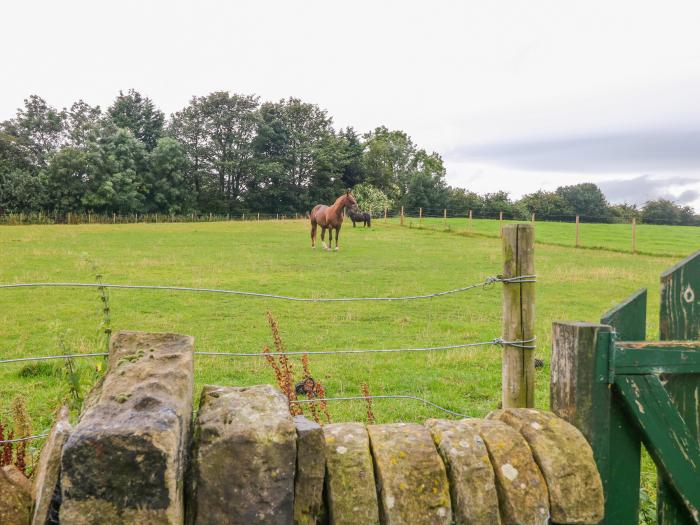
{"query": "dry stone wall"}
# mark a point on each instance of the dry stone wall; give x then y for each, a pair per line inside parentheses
(132, 459)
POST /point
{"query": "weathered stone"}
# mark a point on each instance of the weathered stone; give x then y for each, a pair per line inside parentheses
(124, 461)
(49, 467)
(469, 471)
(351, 492)
(522, 492)
(310, 473)
(244, 454)
(566, 461)
(15, 497)
(411, 476)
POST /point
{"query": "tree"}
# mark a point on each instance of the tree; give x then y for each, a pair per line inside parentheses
(230, 122)
(37, 131)
(66, 178)
(187, 126)
(585, 199)
(497, 202)
(389, 161)
(545, 205)
(665, 211)
(354, 171)
(371, 199)
(22, 191)
(167, 192)
(461, 200)
(83, 123)
(115, 174)
(138, 114)
(298, 159)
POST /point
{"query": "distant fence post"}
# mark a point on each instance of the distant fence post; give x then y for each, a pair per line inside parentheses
(258, 215)
(578, 224)
(401, 215)
(634, 235)
(500, 223)
(445, 216)
(518, 375)
(385, 212)
(470, 220)
(532, 218)
(114, 218)
(420, 215)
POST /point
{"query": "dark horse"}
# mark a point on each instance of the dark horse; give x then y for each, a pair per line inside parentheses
(360, 216)
(330, 217)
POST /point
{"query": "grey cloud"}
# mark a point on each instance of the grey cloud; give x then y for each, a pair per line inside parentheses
(641, 151)
(641, 189)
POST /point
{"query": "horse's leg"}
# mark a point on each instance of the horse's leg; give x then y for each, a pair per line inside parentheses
(353, 222)
(313, 233)
(337, 234)
(330, 238)
(323, 237)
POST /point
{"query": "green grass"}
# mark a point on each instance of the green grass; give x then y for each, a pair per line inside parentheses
(275, 257)
(651, 239)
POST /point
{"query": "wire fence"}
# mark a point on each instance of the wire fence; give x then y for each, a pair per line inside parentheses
(486, 282)
(525, 344)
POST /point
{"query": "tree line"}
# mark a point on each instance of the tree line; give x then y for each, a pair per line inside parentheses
(233, 153)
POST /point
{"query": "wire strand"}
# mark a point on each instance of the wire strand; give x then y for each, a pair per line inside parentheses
(362, 398)
(482, 284)
(27, 438)
(494, 342)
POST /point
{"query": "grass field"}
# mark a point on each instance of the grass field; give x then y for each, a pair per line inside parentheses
(275, 257)
(672, 241)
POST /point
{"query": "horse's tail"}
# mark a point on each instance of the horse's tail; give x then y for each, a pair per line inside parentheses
(312, 218)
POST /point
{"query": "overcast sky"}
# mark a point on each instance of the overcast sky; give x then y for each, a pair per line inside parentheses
(515, 95)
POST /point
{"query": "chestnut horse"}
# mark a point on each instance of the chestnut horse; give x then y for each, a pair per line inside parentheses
(329, 218)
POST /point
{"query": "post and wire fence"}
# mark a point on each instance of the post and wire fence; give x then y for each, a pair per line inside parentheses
(517, 339)
(607, 233)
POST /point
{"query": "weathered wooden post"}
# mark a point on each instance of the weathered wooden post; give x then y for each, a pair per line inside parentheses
(470, 220)
(500, 223)
(114, 218)
(401, 215)
(445, 216)
(581, 394)
(258, 215)
(634, 235)
(385, 213)
(532, 218)
(420, 215)
(578, 223)
(518, 373)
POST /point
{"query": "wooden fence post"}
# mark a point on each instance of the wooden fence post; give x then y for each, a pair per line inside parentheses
(385, 213)
(420, 215)
(580, 394)
(578, 223)
(634, 235)
(401, 215)
(532, 218)
(114, 218)
(470, 220)
(258, 215)
(500, 223)
(444, 212)
(518, 375)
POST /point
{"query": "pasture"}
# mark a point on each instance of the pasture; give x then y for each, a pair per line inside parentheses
(275, 257)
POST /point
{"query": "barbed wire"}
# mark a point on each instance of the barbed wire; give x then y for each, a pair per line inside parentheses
(482, 284)
(22, 439)
(362, 398)
(497, 341)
